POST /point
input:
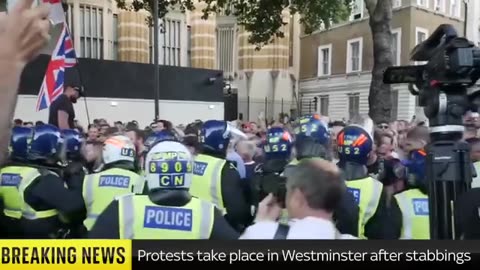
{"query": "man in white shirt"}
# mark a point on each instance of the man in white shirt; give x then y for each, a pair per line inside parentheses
(313, 191)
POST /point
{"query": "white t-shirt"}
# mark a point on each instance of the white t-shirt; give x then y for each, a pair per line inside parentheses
(307, 228)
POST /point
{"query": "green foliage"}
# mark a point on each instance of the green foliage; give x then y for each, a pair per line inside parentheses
(263, 18)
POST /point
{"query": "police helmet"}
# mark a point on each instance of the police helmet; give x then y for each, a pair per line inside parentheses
(312, 127)
(415, 167)
(73, 143)
(215, 136)
(118, 148)
(19, 141)
(168, 165)
(354, 145)
(278, 144)
(46, 144)
(159, 136)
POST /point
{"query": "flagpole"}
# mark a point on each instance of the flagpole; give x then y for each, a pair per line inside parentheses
(155, 59)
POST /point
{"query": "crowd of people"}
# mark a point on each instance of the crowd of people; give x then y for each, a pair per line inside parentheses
(304, 178)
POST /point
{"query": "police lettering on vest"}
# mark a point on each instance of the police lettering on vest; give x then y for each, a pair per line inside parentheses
(355, 193)
(11, 179)
(118, 181)
(168, 218)
(420, 207)
(199, 168)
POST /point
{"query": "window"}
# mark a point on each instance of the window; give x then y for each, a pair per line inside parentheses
(91, 32)
(324, 60)
(423, 3)
(455, 8)
(354, 55)
(397, 3)
(170, 38)
(353, 105)
(357, 10)
(439, 6)
(69, 19)
(394, 100)
(396, 46)
(115, 37)
(324, 105)
(225, 48)
(421, 34)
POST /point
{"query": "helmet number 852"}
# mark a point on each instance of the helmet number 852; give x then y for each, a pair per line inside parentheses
(275, 148)
(348, 150)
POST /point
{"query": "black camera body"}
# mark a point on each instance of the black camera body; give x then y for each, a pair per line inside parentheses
(268, 179)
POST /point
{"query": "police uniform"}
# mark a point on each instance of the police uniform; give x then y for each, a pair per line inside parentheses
(217, 180)
(413, 204)
(168, 211)
(367, 193)
(100, 189)
(354, 145)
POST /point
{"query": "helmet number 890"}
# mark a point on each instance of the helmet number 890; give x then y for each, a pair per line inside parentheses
(165, 167)
(348, 150)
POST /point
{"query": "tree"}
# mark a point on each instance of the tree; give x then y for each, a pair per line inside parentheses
(263, 18)
(380, 12)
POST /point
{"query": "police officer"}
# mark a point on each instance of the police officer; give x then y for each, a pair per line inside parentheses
(10, 198)
(152, 139)
(215, 179)
(312, 138)
(117, 177)
(168, 211)
(46, 203)
(75, 171)
(312, 141)
(409, 210)
(354, 145)
(268, 176)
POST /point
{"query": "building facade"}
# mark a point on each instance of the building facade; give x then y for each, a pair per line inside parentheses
(265, 81)
(473, 21)
(336, 64)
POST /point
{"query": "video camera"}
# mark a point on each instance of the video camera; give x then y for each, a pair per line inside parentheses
(268, 179)
(442, 83)
(444, 86)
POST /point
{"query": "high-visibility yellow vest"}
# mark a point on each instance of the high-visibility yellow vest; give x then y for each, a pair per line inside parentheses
(476, 180)
(367, 193)
(14, 180)
(207, 180)
(415, 214)
(100, 189)
(139, 218)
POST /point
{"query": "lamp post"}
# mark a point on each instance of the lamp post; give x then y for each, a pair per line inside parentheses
(465, 23)
(155, 59)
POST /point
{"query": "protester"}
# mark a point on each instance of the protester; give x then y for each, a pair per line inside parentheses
(313, 192)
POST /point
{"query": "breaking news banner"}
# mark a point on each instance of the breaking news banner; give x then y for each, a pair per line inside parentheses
(125, 254)
(66, 254)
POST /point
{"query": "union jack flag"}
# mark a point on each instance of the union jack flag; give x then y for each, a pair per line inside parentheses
(63, 56)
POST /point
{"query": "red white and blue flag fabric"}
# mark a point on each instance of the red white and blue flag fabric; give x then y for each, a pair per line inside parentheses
(63, 56)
